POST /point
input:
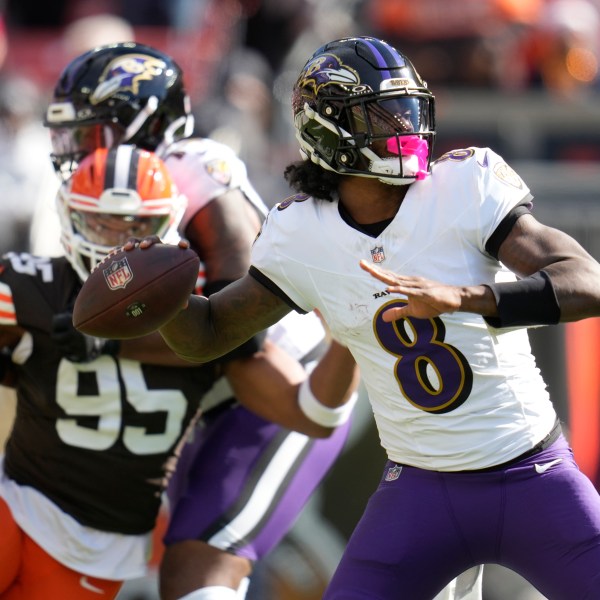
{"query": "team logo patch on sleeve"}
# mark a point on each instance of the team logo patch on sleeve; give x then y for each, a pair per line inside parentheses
(118, 274)
(219, 170)
(507, 175)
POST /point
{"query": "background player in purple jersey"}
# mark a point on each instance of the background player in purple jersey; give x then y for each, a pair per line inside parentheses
(455, 268)
(98, 429)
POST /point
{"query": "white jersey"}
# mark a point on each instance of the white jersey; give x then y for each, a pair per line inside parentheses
(449, 393)
(204, 170)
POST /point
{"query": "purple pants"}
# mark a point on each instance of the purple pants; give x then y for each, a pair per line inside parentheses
(243, 482)
(423, 528)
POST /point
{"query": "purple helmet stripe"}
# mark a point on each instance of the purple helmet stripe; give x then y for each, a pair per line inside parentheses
(397, 58)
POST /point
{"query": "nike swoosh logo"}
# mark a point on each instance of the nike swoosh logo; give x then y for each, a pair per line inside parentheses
(84, 583)
(543, 468)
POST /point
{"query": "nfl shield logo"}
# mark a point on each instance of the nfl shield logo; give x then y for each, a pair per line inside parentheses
(377, 254)
(118, 274)
(393, 473)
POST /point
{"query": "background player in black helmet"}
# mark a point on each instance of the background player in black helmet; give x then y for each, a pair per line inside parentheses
(123, 93)
(126, 93)
(115, 94)
(98, 430)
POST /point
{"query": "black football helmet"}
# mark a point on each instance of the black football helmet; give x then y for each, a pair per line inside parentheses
(115, 94)
(361, 108)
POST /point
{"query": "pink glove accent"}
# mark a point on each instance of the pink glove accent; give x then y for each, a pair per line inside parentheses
(411, 145)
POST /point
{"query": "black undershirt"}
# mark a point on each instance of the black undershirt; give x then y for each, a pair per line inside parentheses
(371, 229)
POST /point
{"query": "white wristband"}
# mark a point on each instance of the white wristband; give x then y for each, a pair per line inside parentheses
(321, 414)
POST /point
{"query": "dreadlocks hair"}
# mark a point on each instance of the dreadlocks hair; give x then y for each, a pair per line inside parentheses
(309, 178)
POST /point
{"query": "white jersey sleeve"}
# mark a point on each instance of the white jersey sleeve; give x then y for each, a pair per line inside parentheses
(482, 187)
(204, 170)
(431, 382)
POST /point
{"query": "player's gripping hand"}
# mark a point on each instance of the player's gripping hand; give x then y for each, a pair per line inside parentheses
(76, 346)
(148, 241)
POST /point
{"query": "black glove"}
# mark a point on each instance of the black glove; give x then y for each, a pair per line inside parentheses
(76, 346)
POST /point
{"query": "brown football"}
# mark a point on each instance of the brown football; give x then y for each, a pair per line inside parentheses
(130, 294)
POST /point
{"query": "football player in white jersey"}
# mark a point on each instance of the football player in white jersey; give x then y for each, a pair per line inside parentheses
(134, 93)
(431, 273)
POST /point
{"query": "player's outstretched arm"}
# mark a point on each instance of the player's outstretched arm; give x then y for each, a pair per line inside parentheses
(532, 247)
(207, 329)
(270, 382)
(559, 281)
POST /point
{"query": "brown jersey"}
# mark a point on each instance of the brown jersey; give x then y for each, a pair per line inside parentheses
(99, 438)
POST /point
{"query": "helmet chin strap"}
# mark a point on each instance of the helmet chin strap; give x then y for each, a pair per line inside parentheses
(411, 146)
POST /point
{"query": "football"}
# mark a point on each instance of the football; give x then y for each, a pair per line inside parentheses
(130, 294)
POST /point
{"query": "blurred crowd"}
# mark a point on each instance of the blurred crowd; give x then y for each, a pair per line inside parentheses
(241, 57)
